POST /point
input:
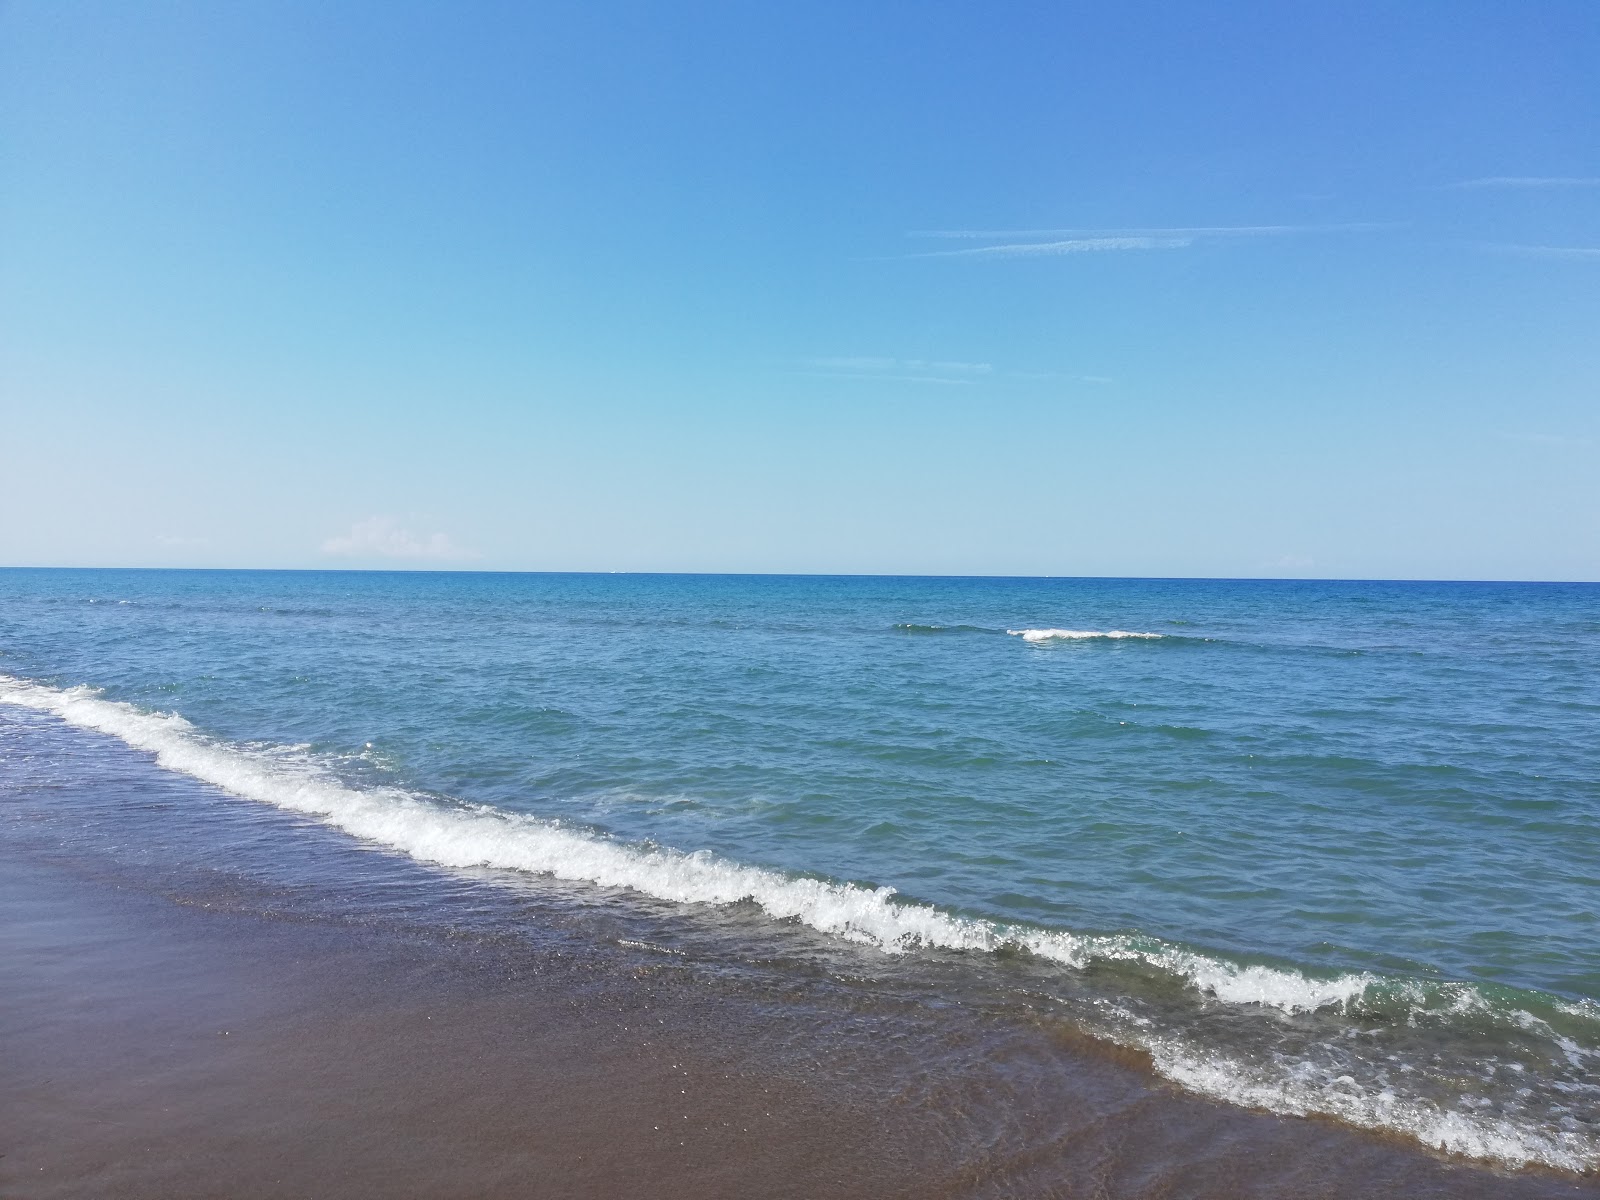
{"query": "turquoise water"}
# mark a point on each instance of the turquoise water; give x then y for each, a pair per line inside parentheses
(1301, 814)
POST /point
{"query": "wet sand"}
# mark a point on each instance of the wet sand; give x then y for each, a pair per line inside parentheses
(159, 1050)
(156, 1048)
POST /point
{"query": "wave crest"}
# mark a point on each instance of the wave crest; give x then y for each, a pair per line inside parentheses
(473, 835)
(1074, 635)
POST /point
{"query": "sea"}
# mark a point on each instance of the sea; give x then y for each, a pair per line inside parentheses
(1315, 848)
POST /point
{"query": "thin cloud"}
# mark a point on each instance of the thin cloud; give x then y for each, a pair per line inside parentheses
(1530, 181)
(382, 537)
(1186, 231)
(1068, 246)
(1571, 253)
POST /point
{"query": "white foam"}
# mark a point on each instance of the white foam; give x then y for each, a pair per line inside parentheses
(1286, 990)
(1066, 635)
(1270, 987)
(1303, 1089)
(482, 836)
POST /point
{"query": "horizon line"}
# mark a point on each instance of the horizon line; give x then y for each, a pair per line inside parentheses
(818, 575)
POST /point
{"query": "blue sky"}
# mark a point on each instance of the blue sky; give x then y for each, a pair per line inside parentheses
(1236, 289)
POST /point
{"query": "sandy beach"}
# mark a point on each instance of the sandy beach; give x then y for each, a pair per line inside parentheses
(157, 1040)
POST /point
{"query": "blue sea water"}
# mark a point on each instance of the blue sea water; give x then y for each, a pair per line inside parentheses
(1315, 846)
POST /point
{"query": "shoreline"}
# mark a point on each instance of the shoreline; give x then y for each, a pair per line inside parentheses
(158, 1044)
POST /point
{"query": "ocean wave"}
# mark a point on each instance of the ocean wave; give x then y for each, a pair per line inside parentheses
(914, 627)
(1308, 1088)
(465, 835)
(1074, 635)
(475, 835)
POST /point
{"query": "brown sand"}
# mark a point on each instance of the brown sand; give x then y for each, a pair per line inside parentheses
(164, 1050)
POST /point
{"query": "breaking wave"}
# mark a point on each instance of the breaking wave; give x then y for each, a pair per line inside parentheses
(466, 835)
(1310, 1088)
(1075, 635)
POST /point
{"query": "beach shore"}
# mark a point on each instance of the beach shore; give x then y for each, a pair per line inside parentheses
(154, 1049)
(154, 1046)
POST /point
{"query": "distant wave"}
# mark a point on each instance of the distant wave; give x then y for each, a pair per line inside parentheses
(466, 835)
(913, 627)
(1073, 635)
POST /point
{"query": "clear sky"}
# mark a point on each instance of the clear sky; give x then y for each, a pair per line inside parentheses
(1226, 289)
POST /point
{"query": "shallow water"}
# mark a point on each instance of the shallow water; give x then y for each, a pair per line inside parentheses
(1315, 847)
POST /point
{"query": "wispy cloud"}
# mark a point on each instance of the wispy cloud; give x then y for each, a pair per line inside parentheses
(1573, 253)
(1184, 231)
(1068, 246)
(383, 537)
(1530, 181)
(1049, 242)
